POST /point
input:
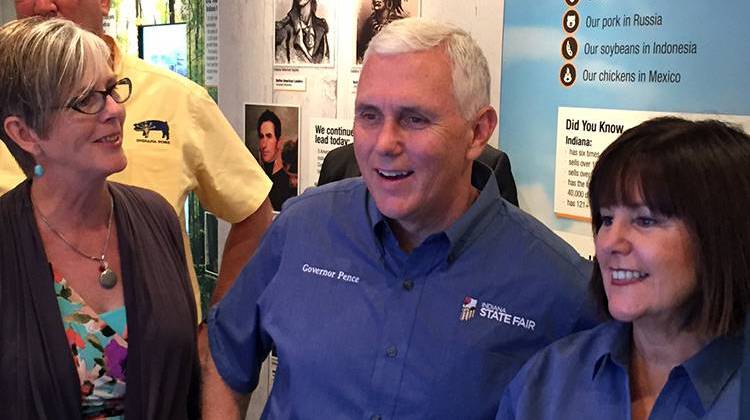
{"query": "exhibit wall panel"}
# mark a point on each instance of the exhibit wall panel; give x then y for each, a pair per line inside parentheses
(576, 74)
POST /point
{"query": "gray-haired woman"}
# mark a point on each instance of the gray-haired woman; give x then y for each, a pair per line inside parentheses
(97, 318)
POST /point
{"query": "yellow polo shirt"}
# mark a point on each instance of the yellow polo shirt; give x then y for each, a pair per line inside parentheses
(177, 140)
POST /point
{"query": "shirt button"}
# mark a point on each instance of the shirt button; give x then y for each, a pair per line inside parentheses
(408, 284)
(375, 417)
(391, 351)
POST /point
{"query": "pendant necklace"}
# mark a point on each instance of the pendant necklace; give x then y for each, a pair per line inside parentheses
(107, 277)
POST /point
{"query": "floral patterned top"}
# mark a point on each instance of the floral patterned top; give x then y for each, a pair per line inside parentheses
(99, 346)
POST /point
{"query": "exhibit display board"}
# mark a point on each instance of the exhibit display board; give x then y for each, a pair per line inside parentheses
(327, 134)
(577, 73)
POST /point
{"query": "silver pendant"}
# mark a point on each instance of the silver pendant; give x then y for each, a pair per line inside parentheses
(107, 278)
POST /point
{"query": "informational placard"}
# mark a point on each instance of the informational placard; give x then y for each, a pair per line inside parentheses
(576, 73)
(326, 134)
(583, 133)
(212, 43)
(287, 81)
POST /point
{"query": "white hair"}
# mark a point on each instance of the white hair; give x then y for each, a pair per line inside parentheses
(470, 72)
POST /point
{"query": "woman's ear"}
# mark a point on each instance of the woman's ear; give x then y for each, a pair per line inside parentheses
(24, 136)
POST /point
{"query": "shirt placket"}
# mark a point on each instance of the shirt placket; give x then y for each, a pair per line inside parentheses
(401, 305)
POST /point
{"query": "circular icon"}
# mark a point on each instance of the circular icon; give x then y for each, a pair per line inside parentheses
(568, 75)
(570, 21)
(571, 3)
(569, 48)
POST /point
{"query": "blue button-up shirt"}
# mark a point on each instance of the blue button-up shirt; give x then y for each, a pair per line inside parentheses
(585, 376)
(364, 330)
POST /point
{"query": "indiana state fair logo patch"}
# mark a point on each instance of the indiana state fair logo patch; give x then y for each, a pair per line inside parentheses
(493, 312)
(468, 309)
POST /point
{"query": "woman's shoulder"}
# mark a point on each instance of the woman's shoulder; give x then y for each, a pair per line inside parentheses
(576, 353)
(559, 381)
(16, 201)
(140, 198)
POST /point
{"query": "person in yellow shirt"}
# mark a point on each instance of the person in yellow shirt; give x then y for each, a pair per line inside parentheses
(176, 141)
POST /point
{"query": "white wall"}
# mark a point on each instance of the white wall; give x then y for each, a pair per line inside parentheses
(246, 69)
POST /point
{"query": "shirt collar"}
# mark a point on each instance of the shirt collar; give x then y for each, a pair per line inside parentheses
(713, 366)
(473, 222)
(613, 348)
(479, 215)
(707, 376)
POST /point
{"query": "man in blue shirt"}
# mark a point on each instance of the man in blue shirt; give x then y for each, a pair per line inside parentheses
(415, 291)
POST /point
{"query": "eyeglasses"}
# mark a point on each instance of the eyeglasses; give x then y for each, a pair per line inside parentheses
(95, 100)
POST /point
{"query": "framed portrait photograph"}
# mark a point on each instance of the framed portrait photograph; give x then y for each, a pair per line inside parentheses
(374, 15)
(303, 34)
(272, 136)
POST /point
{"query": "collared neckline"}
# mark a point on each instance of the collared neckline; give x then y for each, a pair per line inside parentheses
(706, 375)
(475, 220)
(472, 223)
(709, 377)
(613, 347)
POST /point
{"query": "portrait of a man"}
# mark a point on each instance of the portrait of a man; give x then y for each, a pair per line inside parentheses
(301, 35)
(271, 133)
(374, 15)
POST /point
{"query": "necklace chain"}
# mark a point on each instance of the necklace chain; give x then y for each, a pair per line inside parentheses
(101, 260)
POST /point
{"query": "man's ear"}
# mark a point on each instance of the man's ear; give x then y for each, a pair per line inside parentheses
(484, 125)
(104, 7)
(23, 135)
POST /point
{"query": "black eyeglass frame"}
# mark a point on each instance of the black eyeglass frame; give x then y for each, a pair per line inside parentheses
(74, 104)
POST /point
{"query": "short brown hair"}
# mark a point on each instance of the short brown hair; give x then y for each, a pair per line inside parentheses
(43, 64)
(699, 173)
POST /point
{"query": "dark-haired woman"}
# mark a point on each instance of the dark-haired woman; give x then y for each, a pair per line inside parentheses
(669, 201)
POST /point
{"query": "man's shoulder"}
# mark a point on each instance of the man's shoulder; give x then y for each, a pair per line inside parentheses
(587, 344)
(284, 25)
(576, 353)
(343, 153)
(333, 195)
(335, 209)
(564, 361)
(319, 22)
(522, 228)
(338, 203)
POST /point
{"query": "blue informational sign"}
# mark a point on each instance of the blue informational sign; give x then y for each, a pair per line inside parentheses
(576, 73)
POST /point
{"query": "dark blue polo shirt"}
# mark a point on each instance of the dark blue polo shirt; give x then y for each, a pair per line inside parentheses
(363, 330)
(585, 376)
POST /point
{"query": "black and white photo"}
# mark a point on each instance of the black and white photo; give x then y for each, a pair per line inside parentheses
(302, 33)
